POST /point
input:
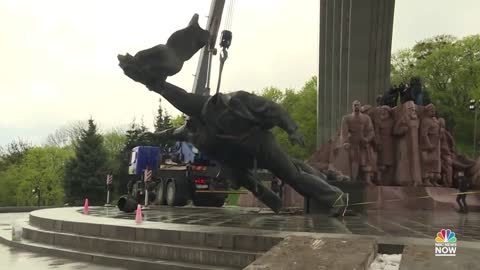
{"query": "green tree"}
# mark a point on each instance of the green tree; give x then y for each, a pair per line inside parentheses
(114, 142)
(178, 121)
(67, 134)
(302, 107)
(85, 173)
(11, 156)
(13, 153)
(133, 138)
(37, 179)
(402, 66)
(8, 185)
(162, 119)
(450, 70)
(41, 176)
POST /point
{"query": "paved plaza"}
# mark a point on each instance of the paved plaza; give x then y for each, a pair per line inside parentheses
(416, 224)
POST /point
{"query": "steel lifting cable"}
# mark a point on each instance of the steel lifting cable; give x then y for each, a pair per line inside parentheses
(225, 42)
(229, 17)
(397, 200)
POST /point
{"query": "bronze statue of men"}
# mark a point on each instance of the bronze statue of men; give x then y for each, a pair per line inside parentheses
(408, 170)
(357, 135)
(430, 147)
(234, 128)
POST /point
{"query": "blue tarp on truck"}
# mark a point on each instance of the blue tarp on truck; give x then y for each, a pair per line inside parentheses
(143, 156)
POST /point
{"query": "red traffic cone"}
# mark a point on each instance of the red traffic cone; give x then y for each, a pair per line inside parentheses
(138, 216)
(85, 207)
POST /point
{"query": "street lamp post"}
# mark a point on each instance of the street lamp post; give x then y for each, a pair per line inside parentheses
(474, 107)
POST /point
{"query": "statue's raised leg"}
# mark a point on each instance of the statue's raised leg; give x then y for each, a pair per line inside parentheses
(271, 156)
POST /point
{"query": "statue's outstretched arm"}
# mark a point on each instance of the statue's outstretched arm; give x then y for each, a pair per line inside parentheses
(188, 103)
(271, 114)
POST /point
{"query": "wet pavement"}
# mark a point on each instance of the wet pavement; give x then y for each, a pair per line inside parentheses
(417, 224)
(16, 259)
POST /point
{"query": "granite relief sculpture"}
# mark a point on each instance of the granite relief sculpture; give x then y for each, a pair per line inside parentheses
(232, 128)
(410, 145)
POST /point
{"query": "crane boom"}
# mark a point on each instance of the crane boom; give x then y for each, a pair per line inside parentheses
(200, 86)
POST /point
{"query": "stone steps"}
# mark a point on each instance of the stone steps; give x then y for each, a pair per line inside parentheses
(137, 246)
(123, 262)
(141, 249)
(189, 235)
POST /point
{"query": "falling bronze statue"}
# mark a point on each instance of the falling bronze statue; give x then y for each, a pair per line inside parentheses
(233, 128)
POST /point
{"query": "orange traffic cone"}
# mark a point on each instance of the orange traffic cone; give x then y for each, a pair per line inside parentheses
(138, 216)
(85, 207)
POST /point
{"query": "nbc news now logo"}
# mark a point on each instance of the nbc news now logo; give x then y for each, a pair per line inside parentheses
(445, 243)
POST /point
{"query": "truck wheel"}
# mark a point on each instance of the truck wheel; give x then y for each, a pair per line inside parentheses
(161, 193)
(218, 202)
(175, 194)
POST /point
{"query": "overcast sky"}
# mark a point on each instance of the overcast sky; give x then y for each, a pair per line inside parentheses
(59, 64)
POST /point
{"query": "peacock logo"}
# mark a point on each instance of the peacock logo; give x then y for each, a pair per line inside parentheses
(445, 243)
(446, 236)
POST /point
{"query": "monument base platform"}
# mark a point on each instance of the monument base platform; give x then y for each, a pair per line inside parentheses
(192, 238)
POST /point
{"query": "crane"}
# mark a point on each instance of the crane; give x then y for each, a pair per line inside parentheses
(201, 85)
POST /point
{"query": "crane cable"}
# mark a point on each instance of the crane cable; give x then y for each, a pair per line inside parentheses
(225, 42)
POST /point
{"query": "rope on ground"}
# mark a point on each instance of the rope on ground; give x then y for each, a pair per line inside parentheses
(410, 198)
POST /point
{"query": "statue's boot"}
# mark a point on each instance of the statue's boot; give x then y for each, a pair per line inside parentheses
(270, 156)
(315, 187)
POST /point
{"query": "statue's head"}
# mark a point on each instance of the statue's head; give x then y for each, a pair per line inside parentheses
(441, 121)
(384, 112)
(356, 106)
(430, 110)
(365, 108)
(411, 110)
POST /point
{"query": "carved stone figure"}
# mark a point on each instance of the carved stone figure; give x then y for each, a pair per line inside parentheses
(234, 129)
(385, 144)
(408, 170)
(446, 150)
(430, 147)
(357, 135)
(374, 114)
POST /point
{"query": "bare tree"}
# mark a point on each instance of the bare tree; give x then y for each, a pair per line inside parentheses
(67, 134)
